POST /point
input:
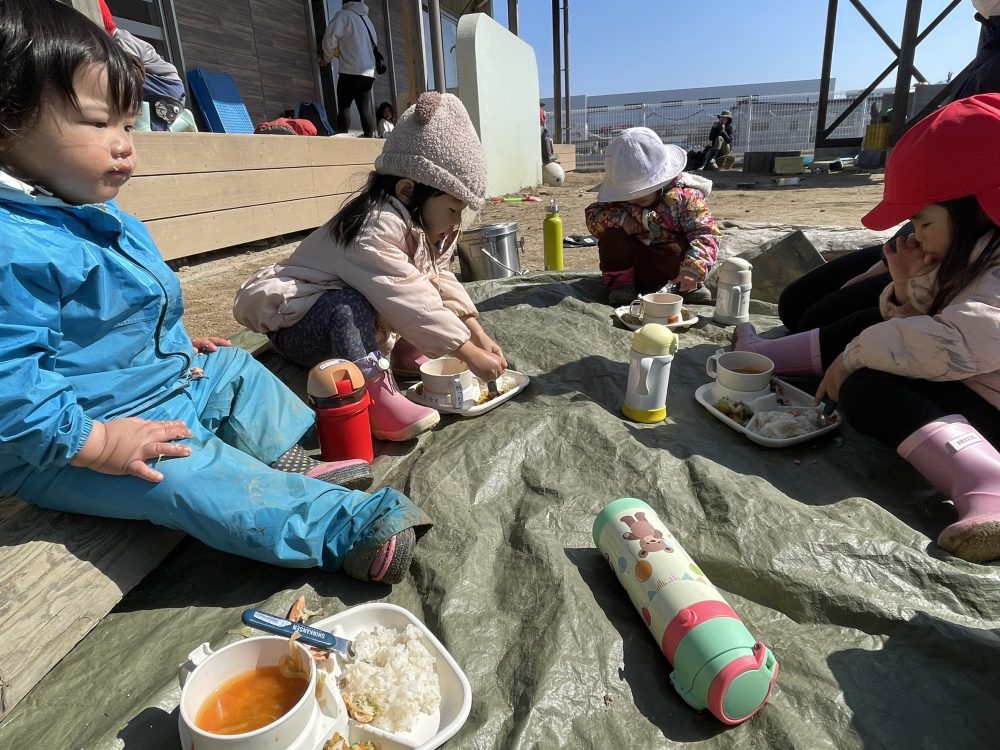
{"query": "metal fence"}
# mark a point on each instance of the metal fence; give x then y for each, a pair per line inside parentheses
(760, 123)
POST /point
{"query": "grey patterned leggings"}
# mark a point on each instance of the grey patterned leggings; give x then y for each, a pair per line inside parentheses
(340, 324)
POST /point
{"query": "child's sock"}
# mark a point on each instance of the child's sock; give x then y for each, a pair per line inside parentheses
(354, 474)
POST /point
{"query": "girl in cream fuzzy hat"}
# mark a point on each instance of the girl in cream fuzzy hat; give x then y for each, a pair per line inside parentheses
(383, 260)
(652, 223)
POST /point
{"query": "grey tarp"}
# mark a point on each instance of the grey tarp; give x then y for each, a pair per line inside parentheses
(824, 549)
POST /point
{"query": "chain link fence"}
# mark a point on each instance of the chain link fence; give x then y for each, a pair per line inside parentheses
(784, 122)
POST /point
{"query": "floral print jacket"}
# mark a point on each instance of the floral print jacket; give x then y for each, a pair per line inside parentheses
(681, 215)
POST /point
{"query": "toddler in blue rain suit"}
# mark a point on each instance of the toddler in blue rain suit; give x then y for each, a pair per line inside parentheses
(107, 406)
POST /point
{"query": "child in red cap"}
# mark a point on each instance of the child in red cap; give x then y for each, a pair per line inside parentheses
(922, 373)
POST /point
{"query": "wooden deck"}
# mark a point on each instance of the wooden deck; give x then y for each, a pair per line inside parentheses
(204, 191)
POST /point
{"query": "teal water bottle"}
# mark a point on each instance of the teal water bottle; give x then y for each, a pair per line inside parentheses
(717, 664)
(552, 233)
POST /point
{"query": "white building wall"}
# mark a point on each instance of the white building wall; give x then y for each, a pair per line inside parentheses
(498, 84)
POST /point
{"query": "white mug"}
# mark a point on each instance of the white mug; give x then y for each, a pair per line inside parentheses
(659, 307)
(742, 372)
(448, 381)
(206, 670)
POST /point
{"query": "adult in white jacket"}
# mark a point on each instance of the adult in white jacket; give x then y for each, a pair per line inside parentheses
(922, 371)
(350, 38)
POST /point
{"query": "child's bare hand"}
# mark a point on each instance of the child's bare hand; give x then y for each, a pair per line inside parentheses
(686, 283)
(833, 379)
(123, 446)
(906, 258)
(484, 365)
(631, 226)
(204, 344)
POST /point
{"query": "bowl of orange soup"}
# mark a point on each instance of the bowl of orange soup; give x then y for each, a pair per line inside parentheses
(254, 694)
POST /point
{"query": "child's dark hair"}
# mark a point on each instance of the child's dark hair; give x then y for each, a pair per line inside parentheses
(381, 109)
(347, 222)
(43, 44)
(969, 223)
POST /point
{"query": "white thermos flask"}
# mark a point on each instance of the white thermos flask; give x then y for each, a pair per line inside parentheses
(732, 293)
(653, 348)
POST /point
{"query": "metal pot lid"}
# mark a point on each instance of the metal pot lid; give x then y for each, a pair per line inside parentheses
(490, 230)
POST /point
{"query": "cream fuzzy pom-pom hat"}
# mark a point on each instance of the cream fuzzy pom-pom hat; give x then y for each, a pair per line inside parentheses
(435, 144)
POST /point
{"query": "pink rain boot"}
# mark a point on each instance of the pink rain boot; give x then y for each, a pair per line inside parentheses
(796, 354)
(405, 359)
(961, 463)
(392, 415)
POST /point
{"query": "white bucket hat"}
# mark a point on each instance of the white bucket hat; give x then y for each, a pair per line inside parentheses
(637, 163)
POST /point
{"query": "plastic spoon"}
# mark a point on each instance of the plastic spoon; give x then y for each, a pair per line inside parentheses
(275, 625)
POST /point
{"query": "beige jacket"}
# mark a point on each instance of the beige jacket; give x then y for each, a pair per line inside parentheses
(961, 342)
(390, 262)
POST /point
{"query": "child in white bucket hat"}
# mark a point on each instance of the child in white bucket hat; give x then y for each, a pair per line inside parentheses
(651, 220)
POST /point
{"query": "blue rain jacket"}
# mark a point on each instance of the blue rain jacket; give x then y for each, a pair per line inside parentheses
(90, 328)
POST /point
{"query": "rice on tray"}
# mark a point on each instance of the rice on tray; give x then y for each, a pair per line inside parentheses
(393, 676)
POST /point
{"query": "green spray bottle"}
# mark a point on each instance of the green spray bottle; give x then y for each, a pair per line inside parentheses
(552, 232)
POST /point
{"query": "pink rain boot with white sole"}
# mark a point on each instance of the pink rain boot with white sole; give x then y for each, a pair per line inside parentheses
(405, 359)
(392, 415)
(962, 464)
(794, 355)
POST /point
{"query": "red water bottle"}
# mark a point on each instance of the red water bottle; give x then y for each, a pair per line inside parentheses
(337, 391)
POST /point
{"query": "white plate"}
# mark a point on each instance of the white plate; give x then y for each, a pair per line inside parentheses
(710, 393)
(513, 381)
(431, 730)
(633, 323)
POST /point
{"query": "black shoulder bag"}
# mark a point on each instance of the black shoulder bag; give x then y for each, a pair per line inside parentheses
(380, 66)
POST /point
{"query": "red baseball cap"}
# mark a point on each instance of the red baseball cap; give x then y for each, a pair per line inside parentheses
(951, 153)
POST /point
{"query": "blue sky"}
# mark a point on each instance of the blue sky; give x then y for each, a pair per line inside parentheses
(619, 46)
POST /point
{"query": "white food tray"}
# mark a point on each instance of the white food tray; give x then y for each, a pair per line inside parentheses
(634, 323)
(431, 730)
(710, 393)
(510, 384)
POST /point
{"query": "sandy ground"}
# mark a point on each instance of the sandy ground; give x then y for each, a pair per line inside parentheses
(836, 199)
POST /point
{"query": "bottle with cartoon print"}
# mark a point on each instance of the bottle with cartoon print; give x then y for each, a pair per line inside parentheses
(717, 663)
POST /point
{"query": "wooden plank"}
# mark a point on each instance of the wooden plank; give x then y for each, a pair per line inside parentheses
(180, 153)
(166, 196)
(190, 235)
(60, 574)
(567, 155)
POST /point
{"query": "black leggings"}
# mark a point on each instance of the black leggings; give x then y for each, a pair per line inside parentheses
(341, 324)
(352, 89)
(820, 298)
(890, 408)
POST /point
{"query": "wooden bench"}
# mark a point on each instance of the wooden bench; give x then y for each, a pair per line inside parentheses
(204, 191)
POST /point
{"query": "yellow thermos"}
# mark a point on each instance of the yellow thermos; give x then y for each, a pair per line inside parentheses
(552, 231)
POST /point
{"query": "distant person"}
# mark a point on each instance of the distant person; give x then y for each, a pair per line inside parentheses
(350, 38)
(386, 119)
(162, 86)
(651, 220)
(548, 150)
(720, 140)
(381, 265)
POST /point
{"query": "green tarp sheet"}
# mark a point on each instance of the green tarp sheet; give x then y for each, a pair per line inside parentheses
(825, 549)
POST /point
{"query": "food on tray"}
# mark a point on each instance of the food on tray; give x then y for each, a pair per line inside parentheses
(786, 424)
(339, 742)
(392, 679)
(735, 410)
(504, 383)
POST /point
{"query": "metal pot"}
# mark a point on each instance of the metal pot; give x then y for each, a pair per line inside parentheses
(489, 252)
